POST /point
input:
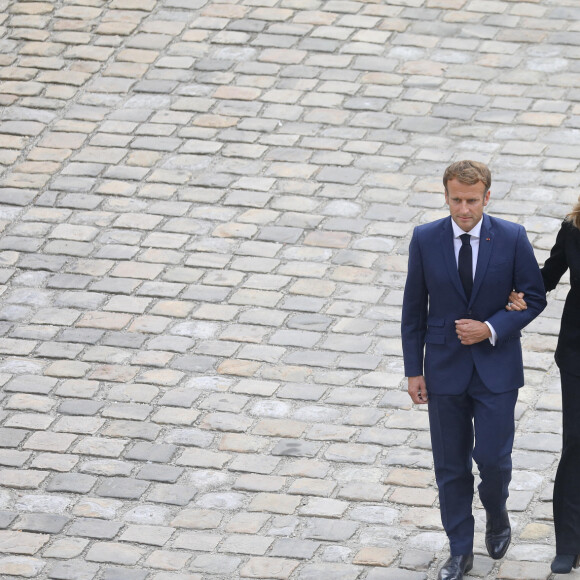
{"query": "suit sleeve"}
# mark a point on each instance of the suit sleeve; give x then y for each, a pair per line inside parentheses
(556, 265)
(414, 317)
(527, 279)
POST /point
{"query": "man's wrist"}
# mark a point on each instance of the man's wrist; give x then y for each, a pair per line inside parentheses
(492, 334)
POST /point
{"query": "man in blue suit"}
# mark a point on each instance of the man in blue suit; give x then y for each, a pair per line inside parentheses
(462, 353)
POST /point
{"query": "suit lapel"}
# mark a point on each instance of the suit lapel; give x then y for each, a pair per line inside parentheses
(449, 256)
(485, 248)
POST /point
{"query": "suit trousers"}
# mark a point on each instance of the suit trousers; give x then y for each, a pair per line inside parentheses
(566, 503)
(476, 424)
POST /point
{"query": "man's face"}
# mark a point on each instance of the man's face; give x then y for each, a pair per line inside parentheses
(466, 203)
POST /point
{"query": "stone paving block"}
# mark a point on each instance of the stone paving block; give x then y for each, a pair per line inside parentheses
(197, 519)
(533, 570)
(216, 564)
(80, 407)
(42, 503)
(296, 448)
(11, 437)
(59, 350)
(329, 530)
(13, 458)
(6, 518)
(71, 482)
(107, 467)
(94, 528)
(150, 535)
(305, 391)
(34, 421)
(203, 458)
(172, 494)
(375, 556)
(219, 500)
(135, 392)
(17, 542)
(177, 416)
(22, 478)
(247, 523)
(256, 387)
(362, 492)
(114, 553)
(225, 422)
(199, 541)
(246, 544)
(362, 417)
(178, 576)
(66, 548)
(122, 573)
(283, 526)
(259, 483)
(167, 560)
(312, 487)
(324, 508)
(143, 451)
(21, 566)
(409, 477)
(323, 432)
(417, 560)
(68, 369)
(338, 571)
(130, 411)
(224, 402)
(123, 488)
(132, 429)
(263, 465)
(190, 437)
(269, 502)
(395, 573)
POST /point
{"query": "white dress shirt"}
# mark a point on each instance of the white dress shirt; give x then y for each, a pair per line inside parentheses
(474, 240)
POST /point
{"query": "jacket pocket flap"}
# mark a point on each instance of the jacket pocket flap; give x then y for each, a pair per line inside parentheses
(440, 322)
(435, 338)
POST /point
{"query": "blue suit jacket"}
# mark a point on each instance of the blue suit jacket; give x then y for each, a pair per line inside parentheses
(434, 299)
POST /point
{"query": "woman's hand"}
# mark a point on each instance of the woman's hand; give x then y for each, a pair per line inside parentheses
(516, 301)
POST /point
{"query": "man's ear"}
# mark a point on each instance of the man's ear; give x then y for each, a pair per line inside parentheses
(486, 197)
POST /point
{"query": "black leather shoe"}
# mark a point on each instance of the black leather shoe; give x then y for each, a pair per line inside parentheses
(563, 563)
(455, 567)
(498, 534)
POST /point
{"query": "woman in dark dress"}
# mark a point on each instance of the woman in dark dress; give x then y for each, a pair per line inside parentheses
(566, 501)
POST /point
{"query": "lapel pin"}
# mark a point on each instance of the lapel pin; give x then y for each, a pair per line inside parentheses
(488, 239)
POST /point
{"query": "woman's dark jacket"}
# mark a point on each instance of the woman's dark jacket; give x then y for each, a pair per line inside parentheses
(566, 254)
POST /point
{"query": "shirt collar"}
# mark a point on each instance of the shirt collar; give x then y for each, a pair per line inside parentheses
(475, 231)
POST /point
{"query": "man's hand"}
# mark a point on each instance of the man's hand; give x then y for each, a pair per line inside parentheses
(516, 301)
(471, 331)
(417, 389)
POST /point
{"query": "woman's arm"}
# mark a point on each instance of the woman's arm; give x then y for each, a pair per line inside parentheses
(556, 265)
(554, 268)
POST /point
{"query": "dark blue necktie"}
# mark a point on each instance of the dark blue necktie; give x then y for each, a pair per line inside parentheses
(465, 264)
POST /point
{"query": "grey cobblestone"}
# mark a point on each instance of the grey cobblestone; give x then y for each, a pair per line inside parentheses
(94, 528)
(43, 523)
(173, 494)
(123, 488)
(12, 437)
(71, 482)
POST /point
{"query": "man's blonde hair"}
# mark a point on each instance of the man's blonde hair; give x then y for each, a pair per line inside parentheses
(468, 172)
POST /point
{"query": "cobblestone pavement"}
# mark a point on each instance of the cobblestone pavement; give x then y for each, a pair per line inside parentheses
(205, 212)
